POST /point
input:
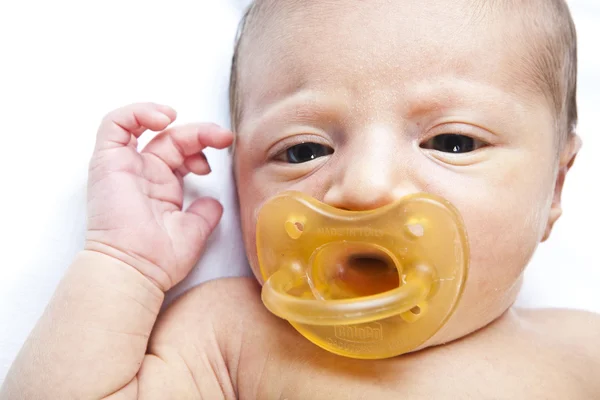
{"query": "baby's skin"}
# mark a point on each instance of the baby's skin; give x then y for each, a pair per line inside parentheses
(102, 337)
(356, 104)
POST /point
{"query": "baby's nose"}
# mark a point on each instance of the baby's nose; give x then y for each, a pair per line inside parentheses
(367, 185)
(358, 193)
(374, 170)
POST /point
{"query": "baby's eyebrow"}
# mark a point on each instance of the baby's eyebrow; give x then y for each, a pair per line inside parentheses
(495, 104)
(304, 106)
(447, 92)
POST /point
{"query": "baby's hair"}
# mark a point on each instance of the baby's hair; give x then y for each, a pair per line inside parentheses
(550, 38)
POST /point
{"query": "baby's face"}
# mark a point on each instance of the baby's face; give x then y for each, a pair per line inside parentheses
(361, 103)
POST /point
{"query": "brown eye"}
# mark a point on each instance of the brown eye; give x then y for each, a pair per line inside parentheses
(453, 143)
(305, 152)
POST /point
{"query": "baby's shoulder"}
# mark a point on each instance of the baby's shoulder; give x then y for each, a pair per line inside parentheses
(221, 304)
(578, 328)
(196, 342)
(570, 336)
(547, 353)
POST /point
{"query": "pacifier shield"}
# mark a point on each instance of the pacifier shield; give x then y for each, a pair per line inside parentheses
(368, 284)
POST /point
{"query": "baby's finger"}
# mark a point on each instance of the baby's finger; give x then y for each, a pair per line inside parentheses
(119, 126)
(210, 211)
(175, 145)
(196, 163)
(133, 142)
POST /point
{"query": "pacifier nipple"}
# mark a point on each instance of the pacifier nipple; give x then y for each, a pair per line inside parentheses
(370, 284)
(347, 270)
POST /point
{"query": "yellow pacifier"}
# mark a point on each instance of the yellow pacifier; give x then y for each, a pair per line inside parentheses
(362, 284)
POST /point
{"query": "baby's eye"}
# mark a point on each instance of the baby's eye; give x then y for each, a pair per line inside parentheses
(453, 143)
(305, 152)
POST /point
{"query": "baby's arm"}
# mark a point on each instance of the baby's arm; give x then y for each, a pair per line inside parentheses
(92, 337)
(91, 341)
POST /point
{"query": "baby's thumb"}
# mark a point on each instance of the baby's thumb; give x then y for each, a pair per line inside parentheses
(208, 212)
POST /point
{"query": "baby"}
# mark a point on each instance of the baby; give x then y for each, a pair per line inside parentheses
(356, 103)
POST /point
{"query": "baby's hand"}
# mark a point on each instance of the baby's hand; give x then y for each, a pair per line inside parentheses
(135, 198)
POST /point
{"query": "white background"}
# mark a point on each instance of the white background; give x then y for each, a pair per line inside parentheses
(64, 64)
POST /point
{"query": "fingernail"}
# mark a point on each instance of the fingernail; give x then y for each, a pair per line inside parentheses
(225, 130)
(166, 110)
(163, 118)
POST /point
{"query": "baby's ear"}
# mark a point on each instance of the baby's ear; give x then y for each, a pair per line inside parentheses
(567, 158)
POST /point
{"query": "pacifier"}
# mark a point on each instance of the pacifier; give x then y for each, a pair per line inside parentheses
(362, 284)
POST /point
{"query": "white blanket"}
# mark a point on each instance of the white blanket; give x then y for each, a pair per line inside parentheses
(68, 63)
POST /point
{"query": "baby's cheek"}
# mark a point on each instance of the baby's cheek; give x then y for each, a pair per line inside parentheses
(248, 207)
(249, 237)
(504, 230)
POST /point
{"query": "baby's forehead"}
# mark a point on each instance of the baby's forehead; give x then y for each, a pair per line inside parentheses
(364, 47)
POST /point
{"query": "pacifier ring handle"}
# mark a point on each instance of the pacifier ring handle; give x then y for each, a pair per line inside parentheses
(345, 311)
